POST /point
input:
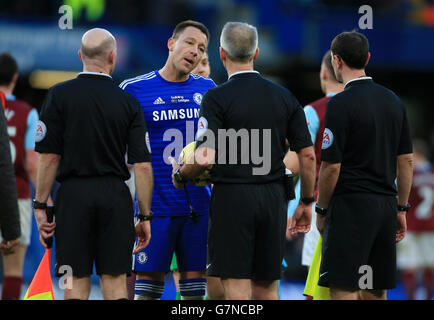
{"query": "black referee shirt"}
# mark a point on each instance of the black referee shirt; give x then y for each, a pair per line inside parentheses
(90, 121)
(366, 128)
(251, 104)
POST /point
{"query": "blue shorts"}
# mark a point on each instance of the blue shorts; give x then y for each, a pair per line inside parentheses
(181, 235)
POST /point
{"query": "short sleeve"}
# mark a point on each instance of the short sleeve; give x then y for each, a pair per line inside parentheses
(405, 145)
(335, 133)
(50, 127)
(210, 120)
(313, 122)
(297, 133)
(32, 122)
(139, 144)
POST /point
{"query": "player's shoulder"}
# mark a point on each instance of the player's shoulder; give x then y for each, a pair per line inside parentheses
(319, 102)
(138, 81)
(205, 81)
(19, 105)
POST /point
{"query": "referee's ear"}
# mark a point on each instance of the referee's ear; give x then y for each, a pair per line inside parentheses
(222, 54)
(256, 54)
(367, 59)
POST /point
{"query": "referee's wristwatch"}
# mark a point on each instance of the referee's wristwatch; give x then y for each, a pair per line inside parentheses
(320, 211)
(404, 208)
(307, 200)
(39, 205)
(178, 178)
(146, 217)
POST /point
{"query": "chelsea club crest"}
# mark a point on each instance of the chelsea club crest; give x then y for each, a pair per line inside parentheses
(197, 97)
(142, 258)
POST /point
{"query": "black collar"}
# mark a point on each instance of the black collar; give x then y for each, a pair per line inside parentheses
(94, 75)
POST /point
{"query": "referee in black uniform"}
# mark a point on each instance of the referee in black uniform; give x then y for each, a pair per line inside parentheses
(85, 127)
(248, 205)
(366, 145)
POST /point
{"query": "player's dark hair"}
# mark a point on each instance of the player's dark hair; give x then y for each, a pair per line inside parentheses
(189, 23)
(352, 47)
(8, 68)
(326, 60)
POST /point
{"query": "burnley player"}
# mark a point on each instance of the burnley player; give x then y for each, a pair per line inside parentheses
(315, 113)
(415, 252)
(170, 99)
(22, 120)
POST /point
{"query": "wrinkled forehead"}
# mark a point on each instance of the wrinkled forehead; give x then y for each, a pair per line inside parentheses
(195, 34)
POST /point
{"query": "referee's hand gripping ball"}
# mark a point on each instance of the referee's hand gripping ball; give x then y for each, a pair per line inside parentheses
(187, 156)
(175, 167)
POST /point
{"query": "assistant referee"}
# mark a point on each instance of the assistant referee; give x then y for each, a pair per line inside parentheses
(248, 205)
(85, 127)
(366, 145)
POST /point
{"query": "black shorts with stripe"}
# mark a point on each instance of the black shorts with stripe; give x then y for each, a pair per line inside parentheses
(246, 237)
(359, 242)
(94, 224)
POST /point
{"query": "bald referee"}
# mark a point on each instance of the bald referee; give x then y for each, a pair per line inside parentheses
(85, 127)
(366, 145)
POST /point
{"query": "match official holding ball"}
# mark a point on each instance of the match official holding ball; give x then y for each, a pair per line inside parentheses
(249, 203)
(85, 127)
(366, 145)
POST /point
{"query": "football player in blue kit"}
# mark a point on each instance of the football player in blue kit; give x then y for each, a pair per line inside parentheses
(170, 99)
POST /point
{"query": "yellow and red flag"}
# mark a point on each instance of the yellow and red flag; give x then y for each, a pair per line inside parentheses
(41, 287)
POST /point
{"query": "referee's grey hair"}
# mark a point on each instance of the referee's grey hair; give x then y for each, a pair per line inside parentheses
(239, 40)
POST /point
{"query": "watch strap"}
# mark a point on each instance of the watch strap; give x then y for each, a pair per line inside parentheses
(38, 205)
(320, 211)
(145, 217)
(178, 177)
(404, 208)
(307, 200)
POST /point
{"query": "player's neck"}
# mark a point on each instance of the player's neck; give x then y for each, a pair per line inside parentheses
(169, 73)
(334, 88)
(97, 69)
(232, 68)
(352, 74)
(7, 90)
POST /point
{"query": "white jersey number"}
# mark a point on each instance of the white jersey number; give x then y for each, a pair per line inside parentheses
(12, 131)
(424, 210)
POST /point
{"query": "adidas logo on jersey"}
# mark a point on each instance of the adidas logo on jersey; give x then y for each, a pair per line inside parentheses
(159, 101)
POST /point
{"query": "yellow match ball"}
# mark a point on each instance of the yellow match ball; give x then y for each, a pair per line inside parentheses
(205, 178)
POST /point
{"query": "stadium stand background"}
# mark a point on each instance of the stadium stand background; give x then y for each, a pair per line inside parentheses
(293, 36)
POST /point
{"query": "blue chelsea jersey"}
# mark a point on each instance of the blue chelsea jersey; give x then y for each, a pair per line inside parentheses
(171, 112)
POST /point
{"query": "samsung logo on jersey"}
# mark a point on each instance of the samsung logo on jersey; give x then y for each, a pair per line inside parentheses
(175, 114)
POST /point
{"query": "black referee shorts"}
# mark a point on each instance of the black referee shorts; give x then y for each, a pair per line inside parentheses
(94, 223)
(246, 237)
(359, 242)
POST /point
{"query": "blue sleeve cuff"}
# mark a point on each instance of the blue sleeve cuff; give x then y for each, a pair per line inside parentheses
(312, 118)
(32, 121)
